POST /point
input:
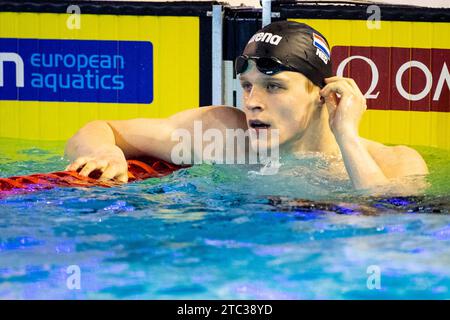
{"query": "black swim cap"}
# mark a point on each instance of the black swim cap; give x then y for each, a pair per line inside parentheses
(295, 45)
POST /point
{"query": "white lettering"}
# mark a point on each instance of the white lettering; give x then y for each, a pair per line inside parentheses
(275, 40)
(74, 20)
(181, 152)
(214, 150)
(198, 143)
(428, 76)
(375, 75)
(12, 57)
(374, 279)
(445, 76)
(259, 36)
(322, 55)
(266, 37)
(373, 21)
(74, 280)
(209, 147)
(188, 310)
(232, 135)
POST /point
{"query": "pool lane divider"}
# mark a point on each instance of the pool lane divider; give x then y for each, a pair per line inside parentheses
(137, 170)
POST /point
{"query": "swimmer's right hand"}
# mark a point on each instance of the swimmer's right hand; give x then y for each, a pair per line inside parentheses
(109, 160)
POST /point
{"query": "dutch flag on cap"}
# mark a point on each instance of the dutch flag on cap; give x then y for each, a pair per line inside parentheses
(320, 43)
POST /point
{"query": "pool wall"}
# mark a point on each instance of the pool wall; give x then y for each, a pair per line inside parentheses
(154, 59)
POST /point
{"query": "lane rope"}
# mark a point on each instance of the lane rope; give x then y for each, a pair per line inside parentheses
(137, 170)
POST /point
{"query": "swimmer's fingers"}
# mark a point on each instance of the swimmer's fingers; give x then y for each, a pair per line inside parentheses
(345, 115)
(108, 174)
(341, 87)
(348, 99)
(331, 102)
(330, 99)
(354, 89)
(350, 81)
(93, 165)
(123, 177)
(78, 163)
(114, 172)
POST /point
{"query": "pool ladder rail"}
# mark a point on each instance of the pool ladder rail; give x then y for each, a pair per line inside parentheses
(137, 170)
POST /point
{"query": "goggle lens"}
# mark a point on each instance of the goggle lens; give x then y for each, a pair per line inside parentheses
(268, 66)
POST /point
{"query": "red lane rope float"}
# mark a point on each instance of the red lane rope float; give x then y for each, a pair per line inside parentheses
(137, 170)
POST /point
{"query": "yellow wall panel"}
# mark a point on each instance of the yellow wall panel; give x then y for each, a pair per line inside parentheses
(175, 74)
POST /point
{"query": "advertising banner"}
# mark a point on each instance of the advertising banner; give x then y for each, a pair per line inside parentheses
(59, 71)
(402, 68)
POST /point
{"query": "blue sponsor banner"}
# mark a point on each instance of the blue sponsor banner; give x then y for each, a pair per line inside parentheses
(76, 70)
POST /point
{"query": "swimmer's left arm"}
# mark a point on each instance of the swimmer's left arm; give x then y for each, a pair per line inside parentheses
(367, 166)
(362, 168)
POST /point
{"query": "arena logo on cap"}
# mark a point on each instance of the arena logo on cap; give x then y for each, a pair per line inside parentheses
(322, 50)
(266, 37)
(76, 70)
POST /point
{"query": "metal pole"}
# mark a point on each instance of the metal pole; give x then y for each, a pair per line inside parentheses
(266, 12)
(217, 85)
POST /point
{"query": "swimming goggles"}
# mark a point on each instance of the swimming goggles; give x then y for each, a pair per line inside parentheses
(268, 66)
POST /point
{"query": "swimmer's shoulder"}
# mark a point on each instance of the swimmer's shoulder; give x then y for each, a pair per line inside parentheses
(214, 117)
(397, 160)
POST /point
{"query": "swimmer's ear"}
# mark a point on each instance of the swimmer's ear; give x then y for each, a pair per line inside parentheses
(321, 101)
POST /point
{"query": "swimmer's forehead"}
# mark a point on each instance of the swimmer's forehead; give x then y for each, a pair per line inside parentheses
(281, 76)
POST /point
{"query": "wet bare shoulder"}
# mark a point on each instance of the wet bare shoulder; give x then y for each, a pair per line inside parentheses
(219, 117)
(396, 161)
(229, 117)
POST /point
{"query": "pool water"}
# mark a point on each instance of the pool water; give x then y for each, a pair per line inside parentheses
(222, 232)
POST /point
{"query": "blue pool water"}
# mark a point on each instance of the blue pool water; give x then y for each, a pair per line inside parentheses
(216, 232)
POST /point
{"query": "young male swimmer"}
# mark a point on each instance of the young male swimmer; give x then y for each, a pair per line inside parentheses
(285, 72)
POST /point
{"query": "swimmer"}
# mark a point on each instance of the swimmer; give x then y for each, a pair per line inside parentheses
(285, 73)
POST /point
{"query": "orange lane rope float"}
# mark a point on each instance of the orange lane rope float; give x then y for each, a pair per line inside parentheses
(137, 170)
